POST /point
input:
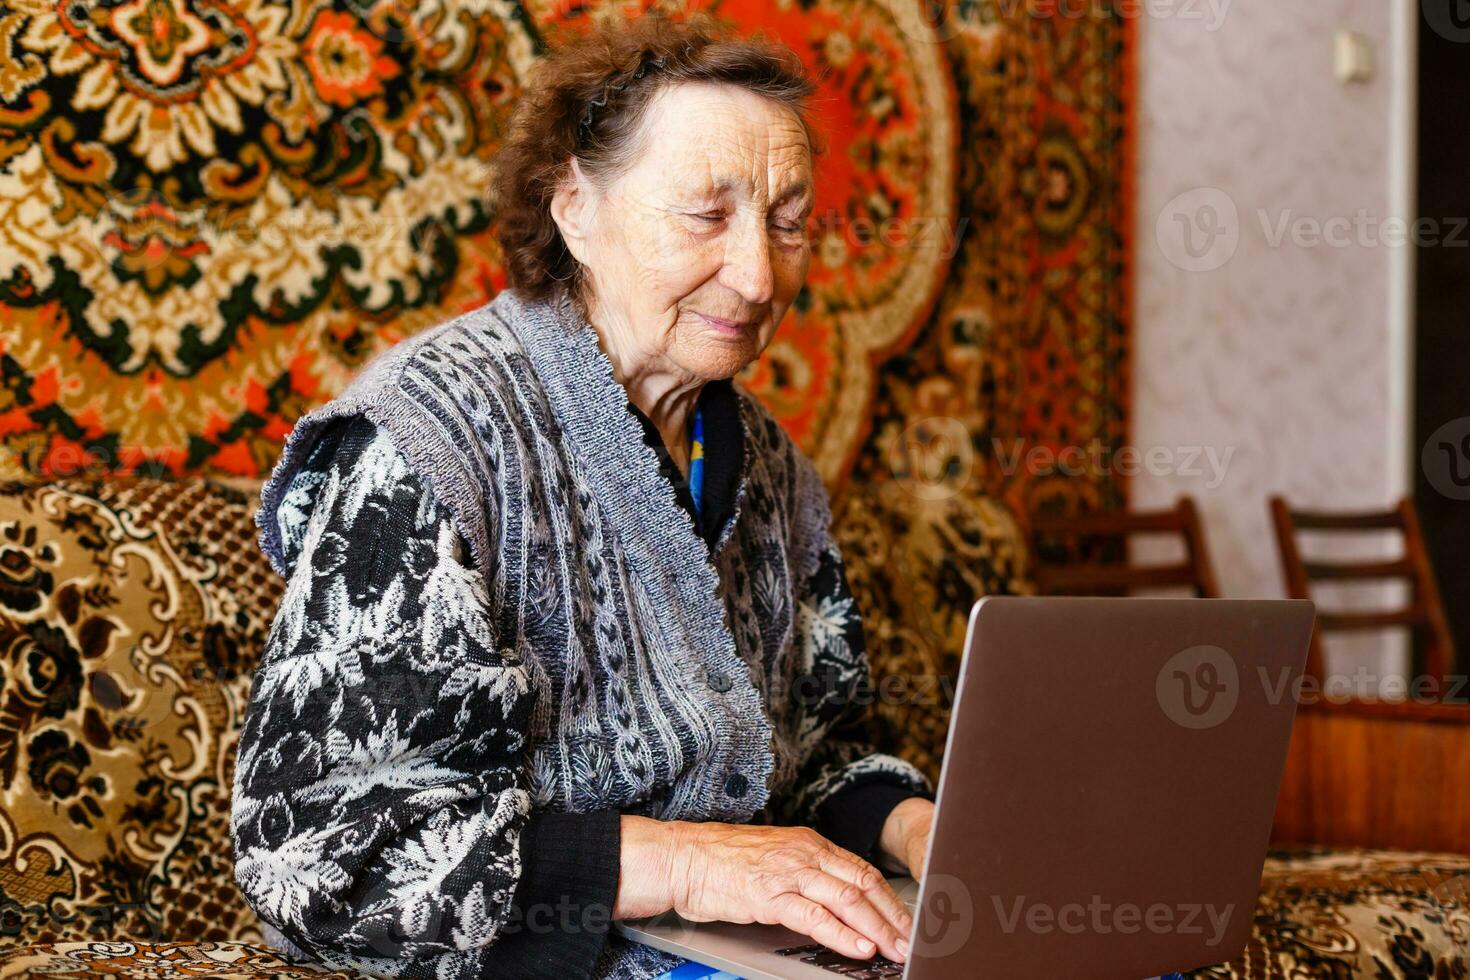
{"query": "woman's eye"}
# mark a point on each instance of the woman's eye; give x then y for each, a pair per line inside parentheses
(711, 216)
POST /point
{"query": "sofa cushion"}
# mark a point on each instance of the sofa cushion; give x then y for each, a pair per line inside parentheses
(1351, 912)
(915, 573)
(1340, 913)
(159, 960)
(131, 614)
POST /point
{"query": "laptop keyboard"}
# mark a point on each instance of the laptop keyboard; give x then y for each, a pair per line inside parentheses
(818, 955)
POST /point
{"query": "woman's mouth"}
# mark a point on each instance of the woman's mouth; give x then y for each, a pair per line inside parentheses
(732, 328)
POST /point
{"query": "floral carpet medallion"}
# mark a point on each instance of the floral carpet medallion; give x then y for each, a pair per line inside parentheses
(211, 214)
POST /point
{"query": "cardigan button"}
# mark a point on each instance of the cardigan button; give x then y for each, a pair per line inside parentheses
(720, 681)
(736, 785)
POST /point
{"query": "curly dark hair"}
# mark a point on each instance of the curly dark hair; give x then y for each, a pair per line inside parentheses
(587, 98)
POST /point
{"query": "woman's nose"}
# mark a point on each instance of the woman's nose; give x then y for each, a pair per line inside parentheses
(748, 262)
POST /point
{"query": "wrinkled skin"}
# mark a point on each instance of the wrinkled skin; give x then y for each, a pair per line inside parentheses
(693, 254)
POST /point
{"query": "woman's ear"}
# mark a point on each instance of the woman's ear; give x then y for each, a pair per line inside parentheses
(570, 209)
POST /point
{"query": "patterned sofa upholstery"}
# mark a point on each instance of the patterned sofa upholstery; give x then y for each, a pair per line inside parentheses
(131, 611)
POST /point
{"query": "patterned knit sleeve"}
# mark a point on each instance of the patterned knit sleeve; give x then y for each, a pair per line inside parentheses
(381, 818)
(846, 787)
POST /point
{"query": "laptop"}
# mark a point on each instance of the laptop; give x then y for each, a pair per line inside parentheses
(1104, 805)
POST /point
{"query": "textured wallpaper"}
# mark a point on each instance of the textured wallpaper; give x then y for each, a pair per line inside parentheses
(1263, 269)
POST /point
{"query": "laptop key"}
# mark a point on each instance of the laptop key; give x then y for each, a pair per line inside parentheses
(876, 968)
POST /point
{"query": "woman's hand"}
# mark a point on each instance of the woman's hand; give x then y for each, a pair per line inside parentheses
(905, 837)
(790, 876)
(645, 868)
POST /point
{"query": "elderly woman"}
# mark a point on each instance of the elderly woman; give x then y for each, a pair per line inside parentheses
(566, 637)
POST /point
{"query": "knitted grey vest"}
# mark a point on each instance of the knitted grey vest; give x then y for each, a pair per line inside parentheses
(653, 658)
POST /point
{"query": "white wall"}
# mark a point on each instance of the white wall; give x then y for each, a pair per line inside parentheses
(1287, 360)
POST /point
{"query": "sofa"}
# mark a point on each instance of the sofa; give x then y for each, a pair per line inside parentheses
(131, 613)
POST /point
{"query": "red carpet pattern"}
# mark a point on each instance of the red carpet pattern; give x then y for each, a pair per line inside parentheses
(212, 214)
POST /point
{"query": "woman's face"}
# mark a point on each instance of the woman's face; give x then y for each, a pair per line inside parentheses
(696, 251)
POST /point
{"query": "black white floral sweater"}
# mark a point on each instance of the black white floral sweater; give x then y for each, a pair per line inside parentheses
(428, 786)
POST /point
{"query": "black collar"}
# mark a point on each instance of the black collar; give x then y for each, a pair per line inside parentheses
(724, 449)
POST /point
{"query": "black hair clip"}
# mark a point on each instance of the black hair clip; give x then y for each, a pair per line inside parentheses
(584, 127)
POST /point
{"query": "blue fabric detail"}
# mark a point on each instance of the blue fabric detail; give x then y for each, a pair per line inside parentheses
(691, 970)
(696, 463)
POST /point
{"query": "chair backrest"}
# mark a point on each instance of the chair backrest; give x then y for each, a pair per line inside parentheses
(1098, 576)
(1423, 614)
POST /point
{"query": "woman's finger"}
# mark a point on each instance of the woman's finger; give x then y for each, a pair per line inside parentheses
(852, 905)
(850, 867)
(801, 914)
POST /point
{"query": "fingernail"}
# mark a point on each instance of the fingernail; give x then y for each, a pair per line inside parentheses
(866, 945)
(903, 948)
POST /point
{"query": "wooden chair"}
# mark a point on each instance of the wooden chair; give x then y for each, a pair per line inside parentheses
(1424, 614)
(1100, 577)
